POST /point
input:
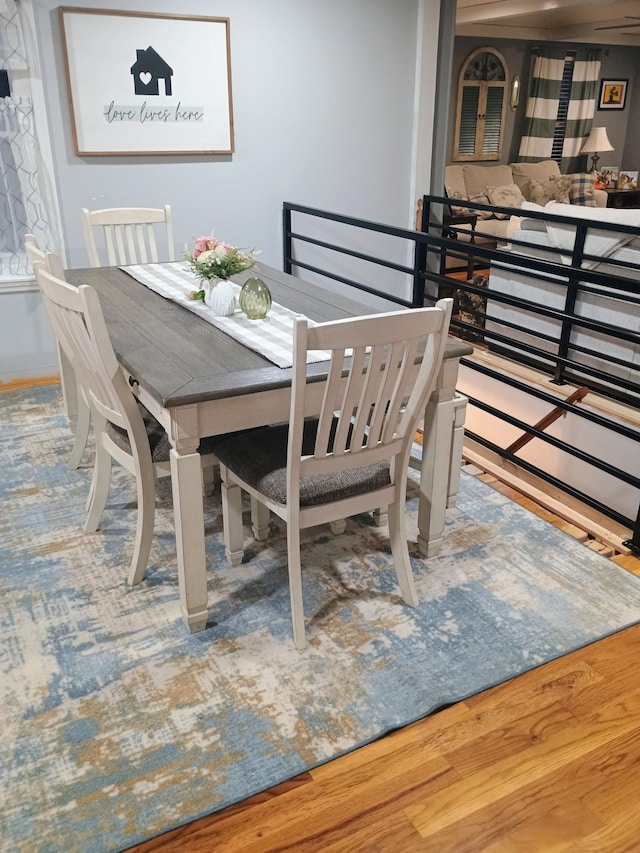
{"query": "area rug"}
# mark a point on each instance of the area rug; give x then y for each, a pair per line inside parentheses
(118, 725)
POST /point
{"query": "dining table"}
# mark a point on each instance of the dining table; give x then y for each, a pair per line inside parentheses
(198, 381)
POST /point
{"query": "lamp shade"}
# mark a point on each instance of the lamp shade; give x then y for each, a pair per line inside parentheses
(596, 141)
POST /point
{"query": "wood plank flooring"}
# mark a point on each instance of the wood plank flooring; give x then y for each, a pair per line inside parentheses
(546, 763)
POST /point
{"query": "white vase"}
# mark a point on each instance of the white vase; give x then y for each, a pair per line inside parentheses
(220, 296)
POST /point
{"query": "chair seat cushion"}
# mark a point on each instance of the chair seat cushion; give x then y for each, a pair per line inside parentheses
(158, 439)
(259, 457)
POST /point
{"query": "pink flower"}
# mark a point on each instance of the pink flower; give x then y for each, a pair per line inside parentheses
(204, 244)
(213, 259)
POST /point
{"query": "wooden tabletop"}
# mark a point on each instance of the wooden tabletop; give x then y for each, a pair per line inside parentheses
(182, 359)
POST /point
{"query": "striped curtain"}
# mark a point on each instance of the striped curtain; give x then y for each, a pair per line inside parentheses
(560, 107)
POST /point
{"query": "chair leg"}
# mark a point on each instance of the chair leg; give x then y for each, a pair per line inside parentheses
(82, 425)
(400, 553)
(381, 516)
(260, 516)
(232, 520)
(208, 480)
(295, 585)
(99, 491)
(338, 526)
(70, 389)
(146, 489)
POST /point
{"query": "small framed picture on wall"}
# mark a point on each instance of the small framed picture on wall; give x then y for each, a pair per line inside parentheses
(613, 94)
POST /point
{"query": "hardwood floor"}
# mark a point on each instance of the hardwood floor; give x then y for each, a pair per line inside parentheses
(546, 763)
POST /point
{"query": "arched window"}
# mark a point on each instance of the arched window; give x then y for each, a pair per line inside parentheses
(482, 100)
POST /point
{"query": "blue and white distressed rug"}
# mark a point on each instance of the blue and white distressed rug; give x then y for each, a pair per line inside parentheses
(118, 725)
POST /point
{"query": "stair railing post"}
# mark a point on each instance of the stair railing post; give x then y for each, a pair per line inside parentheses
(286, 238)
(570, 302)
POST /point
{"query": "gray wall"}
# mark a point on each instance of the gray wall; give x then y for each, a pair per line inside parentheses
(329, 111)
(323, 112)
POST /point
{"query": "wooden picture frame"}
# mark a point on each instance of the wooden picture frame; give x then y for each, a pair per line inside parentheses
(147, 83)
(613, 94)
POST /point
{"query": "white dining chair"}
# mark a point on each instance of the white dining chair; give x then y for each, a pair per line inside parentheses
(128, 235)
(124, 429)
(354, 457)
(74, 403)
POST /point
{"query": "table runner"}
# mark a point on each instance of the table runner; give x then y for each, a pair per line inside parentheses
(271, 337)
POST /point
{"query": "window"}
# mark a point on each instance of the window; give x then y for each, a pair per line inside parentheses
(560, 130)
(26, 197)
(482, 99)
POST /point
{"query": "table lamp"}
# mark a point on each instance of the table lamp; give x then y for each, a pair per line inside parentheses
(596, 141)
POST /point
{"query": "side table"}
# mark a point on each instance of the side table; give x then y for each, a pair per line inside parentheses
(452, 234)
(623, 199)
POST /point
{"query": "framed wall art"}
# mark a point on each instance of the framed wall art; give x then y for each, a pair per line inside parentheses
(613, 94)
(146, 83)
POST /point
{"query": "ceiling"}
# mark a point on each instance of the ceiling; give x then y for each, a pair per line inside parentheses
(585, 21)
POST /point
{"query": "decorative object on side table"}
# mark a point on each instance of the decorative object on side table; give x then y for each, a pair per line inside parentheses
(255, 299)
(597, 141)
(628, 180)
(213, 263)
(607, 178)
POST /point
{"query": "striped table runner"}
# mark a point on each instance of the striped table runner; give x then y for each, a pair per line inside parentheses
(271, 337)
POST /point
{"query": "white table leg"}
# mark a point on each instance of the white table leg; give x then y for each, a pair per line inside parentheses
(437, 459)
(455, 463)
(186, 484)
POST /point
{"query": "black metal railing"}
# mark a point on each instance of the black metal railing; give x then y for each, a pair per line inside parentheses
(576, 279)
(295, 238)
(561, 337)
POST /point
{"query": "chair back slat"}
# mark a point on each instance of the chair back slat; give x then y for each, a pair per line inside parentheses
(111, 237)
(129, 235)
(346, 405)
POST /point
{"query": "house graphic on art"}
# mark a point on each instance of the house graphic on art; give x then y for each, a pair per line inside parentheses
(148, 69)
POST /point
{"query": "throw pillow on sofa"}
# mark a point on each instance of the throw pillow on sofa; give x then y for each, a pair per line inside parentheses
(481, 214)
(555, 189)
(525, 173)
(582, 189)
(476, 178)
(508, 195)
(457, 210)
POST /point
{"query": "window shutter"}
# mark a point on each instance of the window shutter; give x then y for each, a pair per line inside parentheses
(468, 121)
(492, 139)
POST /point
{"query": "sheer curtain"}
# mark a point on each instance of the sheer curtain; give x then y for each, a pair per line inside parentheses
(23, 203)
(560, 106)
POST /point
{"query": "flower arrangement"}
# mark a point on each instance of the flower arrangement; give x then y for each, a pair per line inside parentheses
(211, 259)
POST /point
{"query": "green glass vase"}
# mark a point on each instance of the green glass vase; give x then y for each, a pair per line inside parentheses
(255, 298)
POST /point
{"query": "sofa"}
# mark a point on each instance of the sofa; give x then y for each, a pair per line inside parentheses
(618, 258)
(511, 185)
